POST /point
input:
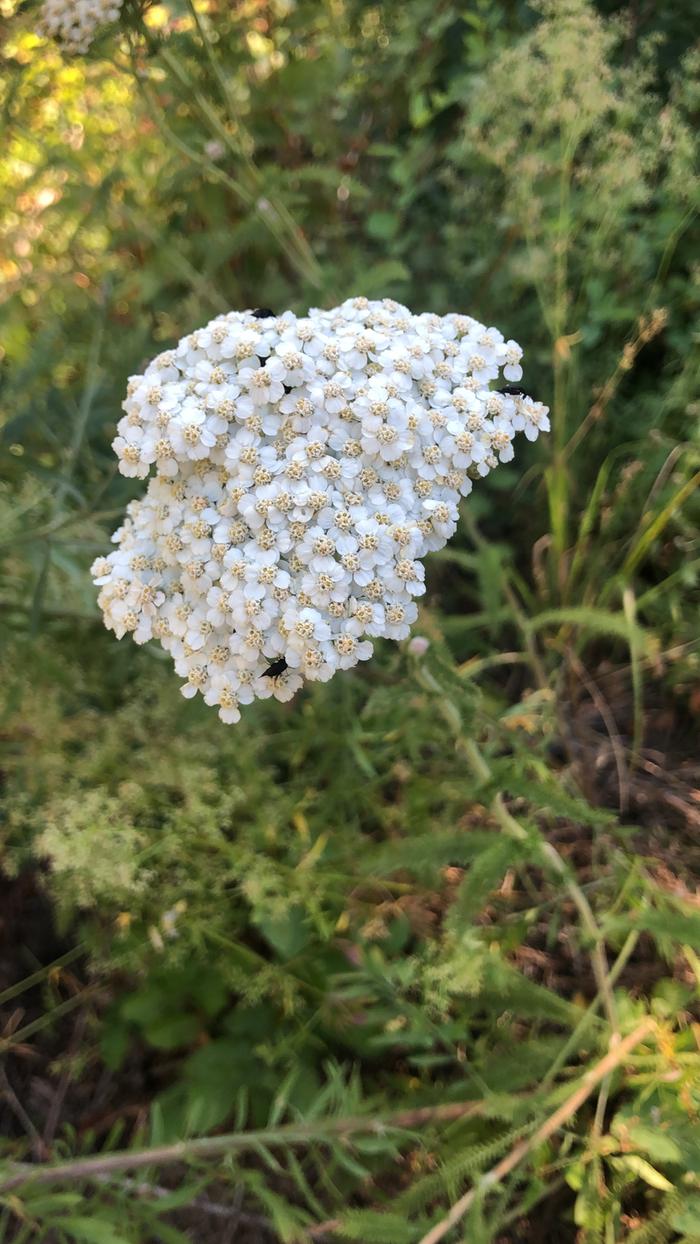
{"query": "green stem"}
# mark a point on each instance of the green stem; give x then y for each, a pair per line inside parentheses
(557, 476)
(37, 1025)
(589, 1014)
(247, 196)
(287, 1135)
(40, 975)
(273, 213)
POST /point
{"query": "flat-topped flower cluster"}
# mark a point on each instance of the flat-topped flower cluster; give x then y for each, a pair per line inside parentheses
(74, 23)
(303, 468)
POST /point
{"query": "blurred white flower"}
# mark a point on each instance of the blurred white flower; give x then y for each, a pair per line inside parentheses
(214, 149)
(418, 645)
(303, 468)
(74, 23)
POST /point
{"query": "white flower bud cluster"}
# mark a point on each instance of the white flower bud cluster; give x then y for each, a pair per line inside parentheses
(303, 467)
(74, 23)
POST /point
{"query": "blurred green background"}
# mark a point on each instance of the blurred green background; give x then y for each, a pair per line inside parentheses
(437, 891)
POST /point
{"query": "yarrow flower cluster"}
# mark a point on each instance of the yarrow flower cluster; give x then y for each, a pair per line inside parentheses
(303, 468)
(74, 23)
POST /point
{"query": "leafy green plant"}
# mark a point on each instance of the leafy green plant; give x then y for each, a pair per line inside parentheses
(417, 956)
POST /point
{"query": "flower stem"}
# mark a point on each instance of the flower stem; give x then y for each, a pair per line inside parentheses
(288, 1135)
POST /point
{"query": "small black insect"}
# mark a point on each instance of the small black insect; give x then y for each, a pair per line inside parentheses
(278, 667)
(510, 390)
(263, 313)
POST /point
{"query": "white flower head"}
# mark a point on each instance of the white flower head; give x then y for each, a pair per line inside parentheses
(75, 23)
(299, 469)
